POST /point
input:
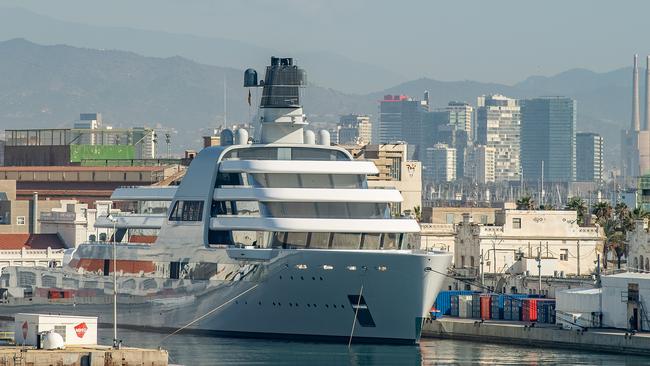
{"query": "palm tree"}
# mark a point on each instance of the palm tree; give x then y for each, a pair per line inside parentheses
(417, 211)
(577, 204)
(525, 203)
(614, 240)
(548, 207)
(603, 211)
(639, 214)
(624, 216)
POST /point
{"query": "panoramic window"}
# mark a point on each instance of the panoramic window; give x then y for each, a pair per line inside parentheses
(187, 211)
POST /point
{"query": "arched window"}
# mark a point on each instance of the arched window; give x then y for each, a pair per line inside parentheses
(647, 264)
(636, 262)
(92, 238)
(640, 266)
(102, 236)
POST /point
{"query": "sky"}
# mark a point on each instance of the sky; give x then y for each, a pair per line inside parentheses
(493, 41)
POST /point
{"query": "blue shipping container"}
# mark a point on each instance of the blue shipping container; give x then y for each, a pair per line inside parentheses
(502, 304)
(476, 305)
(443, 304)
(454, 306)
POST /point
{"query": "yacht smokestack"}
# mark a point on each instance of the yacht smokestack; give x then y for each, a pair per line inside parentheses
(636, 118)
(646, 125)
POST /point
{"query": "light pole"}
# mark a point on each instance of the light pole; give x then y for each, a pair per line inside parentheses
(114, 221)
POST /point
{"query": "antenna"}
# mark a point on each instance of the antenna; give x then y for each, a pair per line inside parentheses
(225, 104)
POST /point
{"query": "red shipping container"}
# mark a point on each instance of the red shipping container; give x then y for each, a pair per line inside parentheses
(529, 310)
(486, 307)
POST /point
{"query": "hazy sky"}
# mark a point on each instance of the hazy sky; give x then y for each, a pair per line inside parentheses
(501, 41)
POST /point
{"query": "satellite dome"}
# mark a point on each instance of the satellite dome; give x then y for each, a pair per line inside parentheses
(52, 340)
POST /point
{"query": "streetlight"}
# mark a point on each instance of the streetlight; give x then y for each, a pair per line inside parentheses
(114, 221)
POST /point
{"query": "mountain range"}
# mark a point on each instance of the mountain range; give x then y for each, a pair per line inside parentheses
(48, 86)
(325, 68)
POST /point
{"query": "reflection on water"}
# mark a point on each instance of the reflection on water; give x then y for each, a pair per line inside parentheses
(197, 350)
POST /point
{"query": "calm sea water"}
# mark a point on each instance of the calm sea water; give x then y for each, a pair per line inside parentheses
(196, 350)
(193, 350)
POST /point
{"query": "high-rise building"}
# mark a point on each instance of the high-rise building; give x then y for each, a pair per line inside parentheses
(589, 157)
(548, 130)
(144, 140)
(480, 164)
(435, 129)
(400, 119)
(461, 115)
(440, 163)
(498, 123)
(354, 129)
(87, 121)
(635, 141)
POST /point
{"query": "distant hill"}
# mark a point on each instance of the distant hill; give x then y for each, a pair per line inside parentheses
(325, 68)
(48, 86)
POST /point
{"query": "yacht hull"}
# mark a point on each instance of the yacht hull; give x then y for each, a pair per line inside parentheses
(304, 294)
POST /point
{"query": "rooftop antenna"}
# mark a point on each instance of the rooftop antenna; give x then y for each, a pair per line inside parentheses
(225, 104)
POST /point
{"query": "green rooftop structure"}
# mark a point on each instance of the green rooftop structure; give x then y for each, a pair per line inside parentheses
(77, 146)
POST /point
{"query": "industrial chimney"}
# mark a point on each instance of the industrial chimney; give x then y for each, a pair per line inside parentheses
(646, 124)
(636, 117)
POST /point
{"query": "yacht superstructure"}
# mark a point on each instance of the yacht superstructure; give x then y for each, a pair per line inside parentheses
(279, 237)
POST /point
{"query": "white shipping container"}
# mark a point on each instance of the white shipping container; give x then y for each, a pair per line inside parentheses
(75, 330)
(580, 300)
(464, 306)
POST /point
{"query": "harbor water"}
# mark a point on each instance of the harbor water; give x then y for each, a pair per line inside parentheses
(198, 350)
(189, 350)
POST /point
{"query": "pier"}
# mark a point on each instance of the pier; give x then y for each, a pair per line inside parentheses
(546, 335)
(83, 356)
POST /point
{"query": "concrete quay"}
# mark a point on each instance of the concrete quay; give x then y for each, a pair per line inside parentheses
(82, 356)
(541, 335)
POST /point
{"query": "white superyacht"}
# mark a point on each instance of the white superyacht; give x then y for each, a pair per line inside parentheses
(277, 238)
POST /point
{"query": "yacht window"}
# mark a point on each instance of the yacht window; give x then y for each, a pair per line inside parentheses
(187, 211)
(317, 154)
(241, 208)
(319, 240)
(297, 239)
(227, 179)
(346, 241)
(327, 210)
(411, 241)
(219, 237)
(391, 241)
(289, 240)
(370, 241)
(257, 180)
(315, 181)
(347, 180)
(294, 153)
(283, 180)
(222, 208)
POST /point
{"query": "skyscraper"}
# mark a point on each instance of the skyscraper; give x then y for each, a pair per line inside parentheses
(548, 130)
(354, 129)
(440, 163)
(480, 164)
(498, 123)
(461, 115)
(589, 157)
(400, 119)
